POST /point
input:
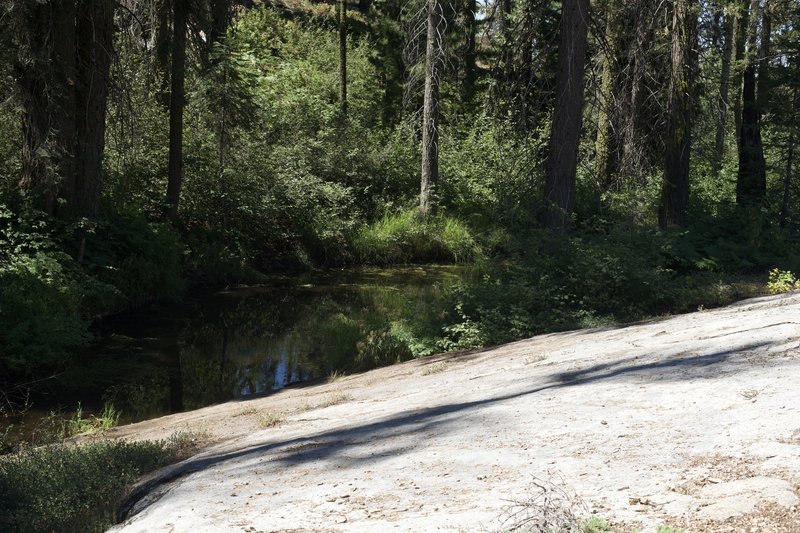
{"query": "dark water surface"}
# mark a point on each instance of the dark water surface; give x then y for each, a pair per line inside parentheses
(246, 342)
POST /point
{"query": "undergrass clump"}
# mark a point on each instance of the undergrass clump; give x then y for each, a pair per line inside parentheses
(435, 368)
(270, 419)
(594, 524)
(334, 399)
(79, 424)
(67, 487)
(329, 401)
(407, 237)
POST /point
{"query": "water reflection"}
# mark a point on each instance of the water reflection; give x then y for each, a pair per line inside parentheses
(249, 342)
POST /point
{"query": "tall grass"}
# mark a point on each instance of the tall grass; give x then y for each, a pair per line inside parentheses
(406, 237)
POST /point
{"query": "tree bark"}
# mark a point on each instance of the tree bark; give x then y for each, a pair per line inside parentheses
(46, 77)
(740, 29)
(751, 182)
(176, 105)
(430, 114)
(559, 189)
(470, 50)
(762, 87)
(632, 156)
(675, 187)
(606, 160)
(95, 32)
(343, 57)
(724, 89)
(787, 177)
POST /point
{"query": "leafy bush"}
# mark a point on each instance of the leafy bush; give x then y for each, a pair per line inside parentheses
(40, 298)
(782, 281)
(73, 488)
(489, 172)
(588, 280)
(47, 299)
(141, 259)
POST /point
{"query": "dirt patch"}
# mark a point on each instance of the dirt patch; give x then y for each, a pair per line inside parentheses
(690, 421)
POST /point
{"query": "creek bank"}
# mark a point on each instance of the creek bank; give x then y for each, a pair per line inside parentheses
(243, 342)
(692, 420)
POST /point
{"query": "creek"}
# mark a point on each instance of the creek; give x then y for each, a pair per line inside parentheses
(251, 341)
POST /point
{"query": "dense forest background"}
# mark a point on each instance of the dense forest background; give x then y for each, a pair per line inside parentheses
(593, 162)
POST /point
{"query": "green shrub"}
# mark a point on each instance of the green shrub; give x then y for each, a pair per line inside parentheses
(40, 297)
(141, 259)
(489, 171)
(587, 280)
(408, 238)
(73, 488)
(595, 524)
(782, 281)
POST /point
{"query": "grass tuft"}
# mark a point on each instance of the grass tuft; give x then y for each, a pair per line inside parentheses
(669, 529)
(270, 419)
(435, 368)
(78, 424)
(406, 237)
(334, 399)
(594, 524)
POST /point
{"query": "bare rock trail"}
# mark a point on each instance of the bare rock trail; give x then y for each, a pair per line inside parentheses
(692, 421)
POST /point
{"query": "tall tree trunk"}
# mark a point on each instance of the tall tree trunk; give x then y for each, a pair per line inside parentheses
(740, 29)
(724, 85)
(470, 50)
(343, 57)
(762, 87)
(430, 114)
(176, 105)
(504, 70)
(46, 76)
(559, 189)
(675, 188)
(787, 177)
(95, 32)
(606, 160)
(632, 155)
(751, 182)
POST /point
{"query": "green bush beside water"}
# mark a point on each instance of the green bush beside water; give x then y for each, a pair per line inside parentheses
(593, 279)
(78, 488)
(408, 238)
(48, 299)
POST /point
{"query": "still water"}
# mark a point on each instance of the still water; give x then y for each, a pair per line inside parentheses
(251, 341)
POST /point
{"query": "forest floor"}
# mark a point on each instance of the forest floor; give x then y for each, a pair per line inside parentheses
(691, 421)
